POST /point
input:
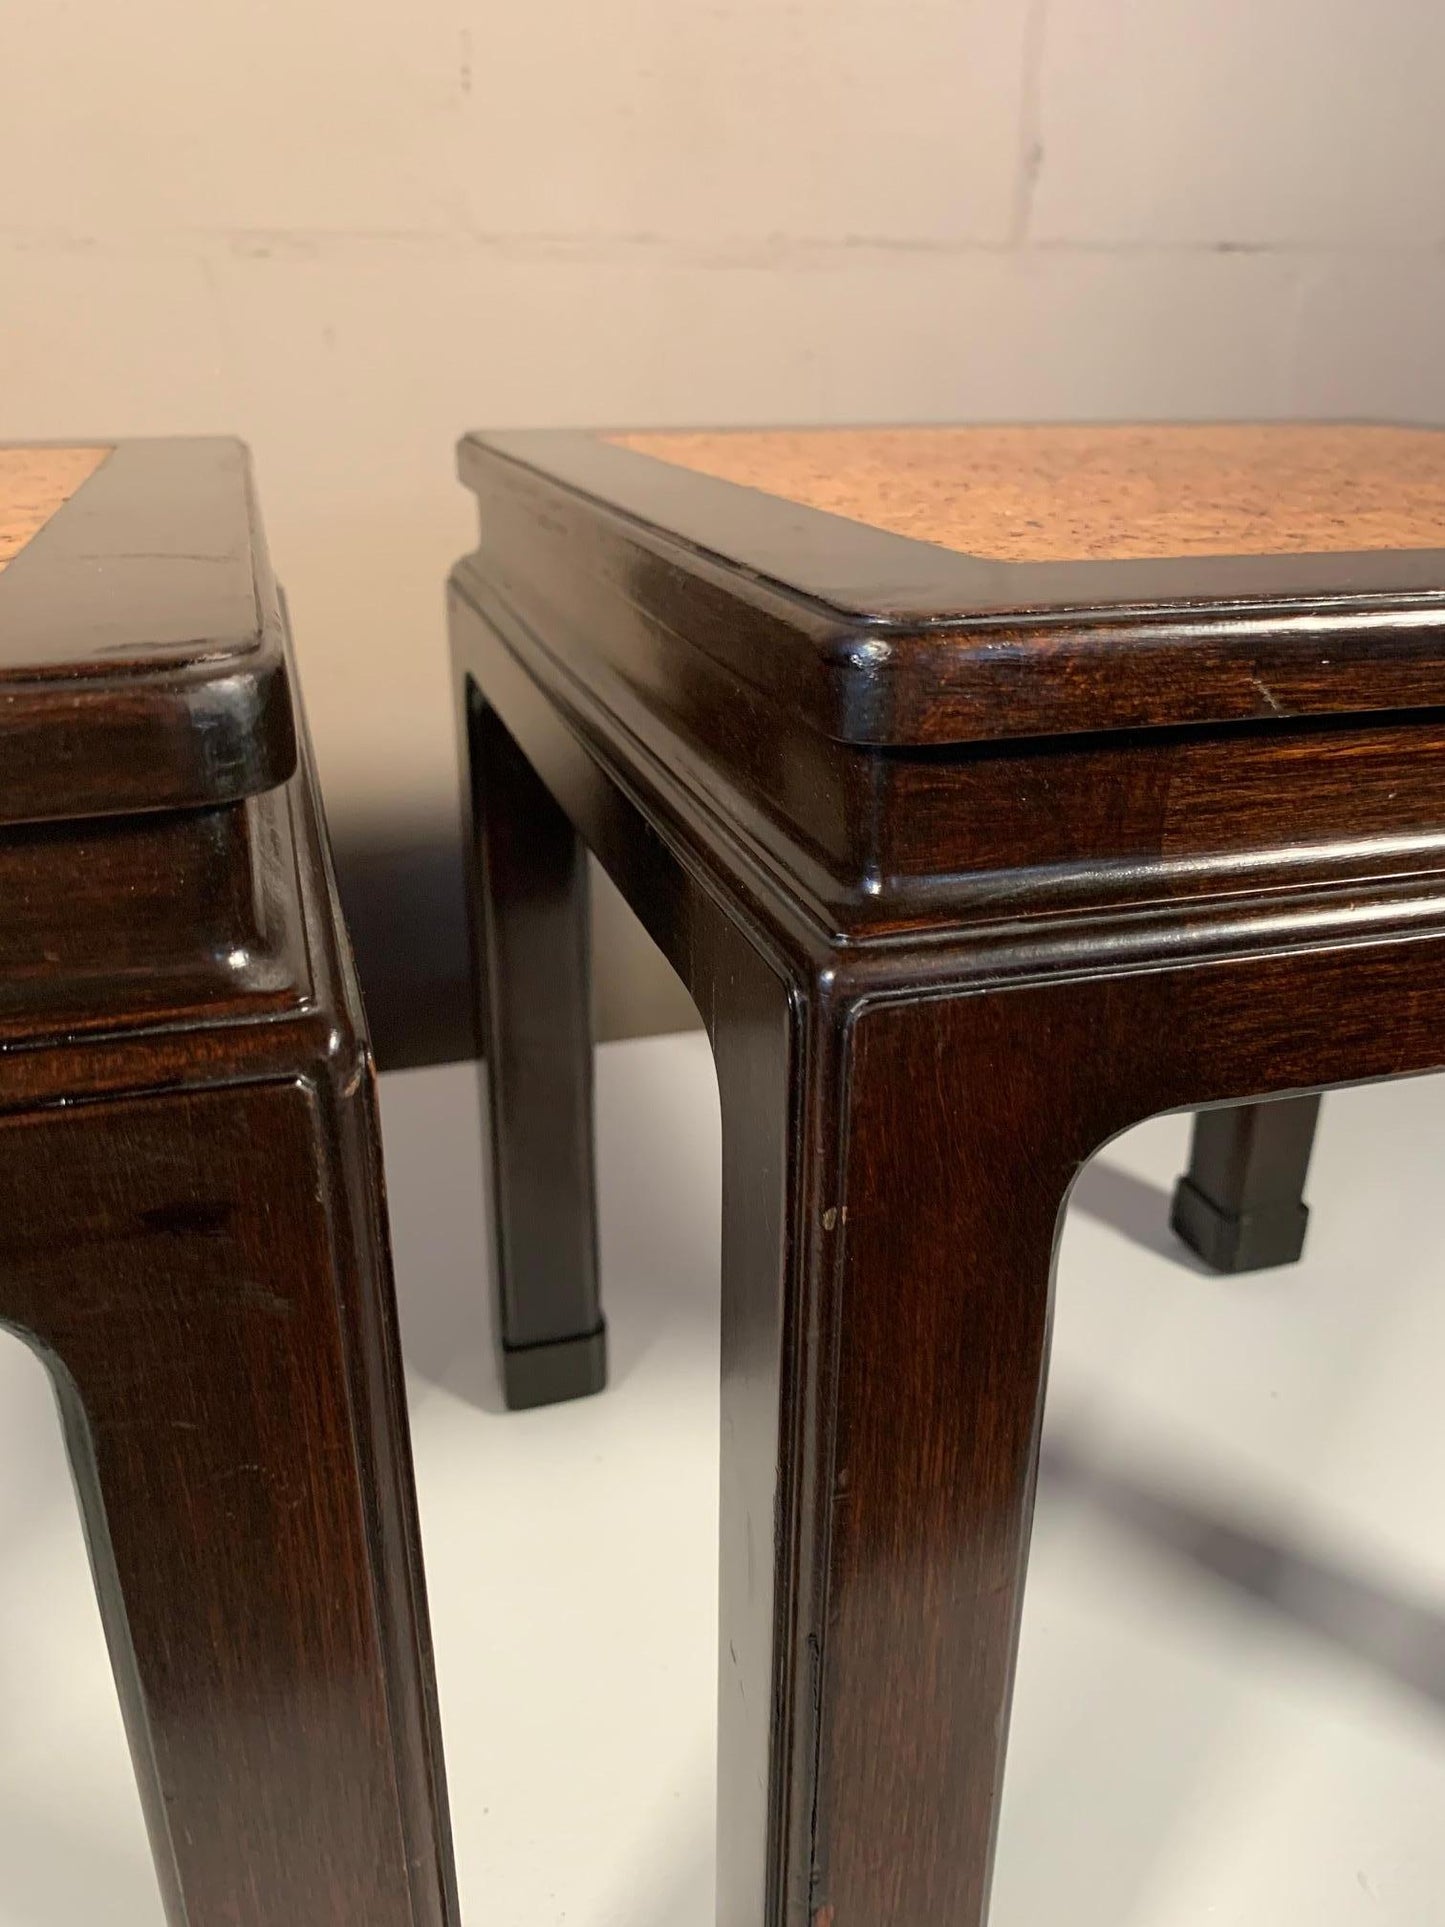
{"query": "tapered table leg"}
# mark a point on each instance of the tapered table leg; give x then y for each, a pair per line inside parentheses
(207, 1277)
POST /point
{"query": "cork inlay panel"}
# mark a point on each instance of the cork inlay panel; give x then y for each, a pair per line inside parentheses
(34, 484)
(1095, 493)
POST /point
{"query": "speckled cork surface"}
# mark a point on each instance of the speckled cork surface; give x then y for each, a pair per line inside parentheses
(1099, 493)
(34, 484)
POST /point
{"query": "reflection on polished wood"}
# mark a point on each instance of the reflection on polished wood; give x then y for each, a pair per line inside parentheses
(968, 866)
(191, 1206)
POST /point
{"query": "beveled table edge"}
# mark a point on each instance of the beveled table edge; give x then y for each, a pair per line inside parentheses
(865, 574)
(883, 641)
(207, 699)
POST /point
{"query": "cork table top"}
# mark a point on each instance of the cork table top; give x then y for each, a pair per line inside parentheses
(34, 484)
(1087, 492)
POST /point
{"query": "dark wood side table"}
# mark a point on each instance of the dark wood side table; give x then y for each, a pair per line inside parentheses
(992, 790)
(192, 1225)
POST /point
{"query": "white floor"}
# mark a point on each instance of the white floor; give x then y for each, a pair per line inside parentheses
(1231, 1705)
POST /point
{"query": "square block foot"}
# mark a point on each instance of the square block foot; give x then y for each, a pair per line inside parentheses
(1254, 1241)
(562, 1369)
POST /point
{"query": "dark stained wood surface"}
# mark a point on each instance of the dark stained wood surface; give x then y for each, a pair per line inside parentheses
(198, 1251)
(937, 976)
(1240, 1206)
(114, 921)
(199, 1318)
(531, 921)
(969, 1118)
(193, 1235)
(874, 638)
(141, 657)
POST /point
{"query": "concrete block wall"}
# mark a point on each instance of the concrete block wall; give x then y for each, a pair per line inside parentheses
(349, 231)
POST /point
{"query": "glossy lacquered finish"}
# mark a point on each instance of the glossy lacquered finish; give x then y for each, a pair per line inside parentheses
(532, 960)
(875, 639)
(940, 967)
(193, 1237)
(1241, 1205)
(142, 660)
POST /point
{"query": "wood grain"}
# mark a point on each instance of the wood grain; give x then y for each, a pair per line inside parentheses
(192, 1220)
(1099, 492)
(938, 973)
(201, 1315)
(142, 665)
(871, 637)
(36, 483)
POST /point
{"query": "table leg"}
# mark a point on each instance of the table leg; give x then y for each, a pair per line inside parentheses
(890, 1205)
(528, 881)
(207, 1277)
(1241, 1205)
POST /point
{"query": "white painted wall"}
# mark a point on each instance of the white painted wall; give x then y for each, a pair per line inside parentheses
(348, 231)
